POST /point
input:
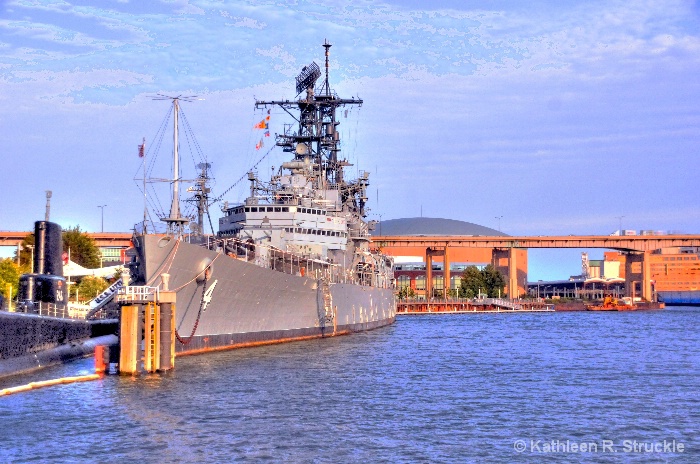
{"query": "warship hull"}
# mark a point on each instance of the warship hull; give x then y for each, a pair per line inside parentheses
(244, 305)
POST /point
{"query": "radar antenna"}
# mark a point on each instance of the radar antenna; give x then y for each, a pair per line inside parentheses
(307, 77)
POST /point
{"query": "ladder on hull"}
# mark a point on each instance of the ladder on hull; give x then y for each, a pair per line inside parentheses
(326, 313)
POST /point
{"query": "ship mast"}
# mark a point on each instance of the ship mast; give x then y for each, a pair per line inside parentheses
(317, 140)
(175, 221)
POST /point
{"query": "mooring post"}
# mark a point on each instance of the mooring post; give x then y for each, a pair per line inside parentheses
(129, 339)
(167, 323)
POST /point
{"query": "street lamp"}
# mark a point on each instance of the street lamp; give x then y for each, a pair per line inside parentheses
(620, 229)
(102, 211)
(499, 222)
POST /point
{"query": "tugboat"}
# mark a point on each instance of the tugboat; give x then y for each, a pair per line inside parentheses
(293, 261)
(612, 304)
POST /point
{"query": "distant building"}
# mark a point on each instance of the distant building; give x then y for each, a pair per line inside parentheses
(675, 273)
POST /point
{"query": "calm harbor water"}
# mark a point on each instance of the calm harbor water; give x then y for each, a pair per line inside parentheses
(453, 388)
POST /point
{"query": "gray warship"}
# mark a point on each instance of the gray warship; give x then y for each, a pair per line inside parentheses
(293, 261)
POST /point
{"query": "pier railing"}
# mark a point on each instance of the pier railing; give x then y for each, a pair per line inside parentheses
(131, 293)
(41, 308)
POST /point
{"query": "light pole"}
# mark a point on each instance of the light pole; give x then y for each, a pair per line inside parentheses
(499, 222)
(102, 211)
(620, 229)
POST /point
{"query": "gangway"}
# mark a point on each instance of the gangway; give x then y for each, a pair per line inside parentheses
(101, 300)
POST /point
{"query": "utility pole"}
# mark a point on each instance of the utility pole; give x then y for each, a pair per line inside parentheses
(620, 229)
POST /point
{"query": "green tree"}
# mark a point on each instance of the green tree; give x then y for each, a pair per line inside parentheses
(82, 248)
(25, 254)
(471, 282)
(488, 282)
(493, 281)
(9, 276)
(406, 292)
(89, 287)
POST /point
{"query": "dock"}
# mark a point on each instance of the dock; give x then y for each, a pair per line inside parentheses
(471, 306)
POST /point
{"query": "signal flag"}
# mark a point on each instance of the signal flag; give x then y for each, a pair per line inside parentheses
(142, 148)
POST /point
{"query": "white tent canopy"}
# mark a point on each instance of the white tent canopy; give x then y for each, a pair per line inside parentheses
(73, 269)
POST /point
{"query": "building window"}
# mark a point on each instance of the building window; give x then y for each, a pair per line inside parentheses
(403, 281)
(420, 282)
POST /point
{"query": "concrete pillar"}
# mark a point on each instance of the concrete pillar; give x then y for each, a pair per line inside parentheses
(646, 276)
(428, 273)
(512, 273)
(629, 281)
(643, 275)
(446, 273)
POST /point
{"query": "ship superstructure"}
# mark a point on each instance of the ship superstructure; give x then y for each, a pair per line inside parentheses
(308, 208)
(292, 261)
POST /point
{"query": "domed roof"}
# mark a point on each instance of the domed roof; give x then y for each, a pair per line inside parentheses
(431, 226)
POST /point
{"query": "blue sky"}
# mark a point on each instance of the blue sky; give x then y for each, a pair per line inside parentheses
(558, 116)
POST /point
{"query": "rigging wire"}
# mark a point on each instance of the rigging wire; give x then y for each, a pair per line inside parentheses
(218, 199)
(152, 150)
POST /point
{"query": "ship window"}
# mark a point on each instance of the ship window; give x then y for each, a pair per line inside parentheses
(278, 209)
(285, 209)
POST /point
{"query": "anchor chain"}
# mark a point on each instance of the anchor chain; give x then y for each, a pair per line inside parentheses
(187, 340)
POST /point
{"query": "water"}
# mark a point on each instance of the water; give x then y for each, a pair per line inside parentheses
(451, 388)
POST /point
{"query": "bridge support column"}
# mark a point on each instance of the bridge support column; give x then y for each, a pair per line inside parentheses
(429, 253)
(646, 277)
(446, 273)
(428, 274)
(638, 269)
(505, 262)
(512, 274)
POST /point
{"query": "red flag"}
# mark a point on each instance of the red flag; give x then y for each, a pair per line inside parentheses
(142, 148)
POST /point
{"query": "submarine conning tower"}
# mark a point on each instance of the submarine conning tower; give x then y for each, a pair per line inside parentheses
(45, 286)
(48, 244)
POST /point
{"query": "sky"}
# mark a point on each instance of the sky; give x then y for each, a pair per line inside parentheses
(539, 118)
